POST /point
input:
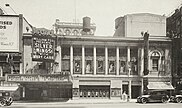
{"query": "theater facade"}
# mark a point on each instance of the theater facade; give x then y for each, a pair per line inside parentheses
(107, 66)
(72, 62)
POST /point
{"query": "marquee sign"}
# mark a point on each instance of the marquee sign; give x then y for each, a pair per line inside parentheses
(9, 34)
(43, 47)
(37, 78)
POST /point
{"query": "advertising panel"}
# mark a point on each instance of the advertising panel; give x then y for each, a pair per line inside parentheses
(9, 34)
(43, 48)
(37, 78)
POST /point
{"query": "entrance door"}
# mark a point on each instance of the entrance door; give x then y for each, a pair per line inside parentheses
(135, 91)
(33, 94)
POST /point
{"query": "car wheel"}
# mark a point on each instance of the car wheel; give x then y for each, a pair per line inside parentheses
(3, 102)
(164, 100)
(178, 100)
(143, 100)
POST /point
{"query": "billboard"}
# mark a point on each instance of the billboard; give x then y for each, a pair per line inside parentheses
(9, 34)
(43, 48)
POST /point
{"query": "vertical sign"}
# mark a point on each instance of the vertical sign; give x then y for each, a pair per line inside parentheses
(146, 50)
(43, 48)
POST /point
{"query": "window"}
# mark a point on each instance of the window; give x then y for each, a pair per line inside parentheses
(100, 66)
(155, 64)
(77, 66)
(88, 68)
(111, 67)
(155, 60)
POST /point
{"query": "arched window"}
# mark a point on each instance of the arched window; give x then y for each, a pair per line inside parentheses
(155, 60)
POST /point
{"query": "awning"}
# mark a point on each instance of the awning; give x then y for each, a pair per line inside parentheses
(8, 88)
(160, 86)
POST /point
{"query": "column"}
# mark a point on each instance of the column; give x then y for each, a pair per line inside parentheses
(95, 66)
(142, 86)
(23, 92)
(142, 62)
(60, 58)
(167, 65)
(117, 61)
(71, 59)
(106, 61)
(128, 60)
(83, 60)
(129, 89)
(21, 66)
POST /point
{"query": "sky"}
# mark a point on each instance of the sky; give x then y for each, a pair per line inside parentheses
(43, 13)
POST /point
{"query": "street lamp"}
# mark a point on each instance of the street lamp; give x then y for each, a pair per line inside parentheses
(8, 5)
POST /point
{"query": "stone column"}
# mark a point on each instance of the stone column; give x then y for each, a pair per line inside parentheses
(23, 92)
(71, 59)
(106, 61)
(95, 66)
(142, 86)
(117, 61)
(21, 66)
(129, 89)
(83, 60)
(128, 60)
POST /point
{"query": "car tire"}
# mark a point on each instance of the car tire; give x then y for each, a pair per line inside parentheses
(143, 101)
(3, 102)
(178, 100)
(164, 100)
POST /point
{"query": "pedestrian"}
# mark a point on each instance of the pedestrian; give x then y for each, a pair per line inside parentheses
(124, 96)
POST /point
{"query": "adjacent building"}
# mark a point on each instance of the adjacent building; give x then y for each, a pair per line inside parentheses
(174, 31)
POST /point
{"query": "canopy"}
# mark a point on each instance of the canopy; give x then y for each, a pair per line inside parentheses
(160, 86)
(8, 88)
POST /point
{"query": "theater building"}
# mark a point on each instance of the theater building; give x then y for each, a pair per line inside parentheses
(74, 63)
(105, 67)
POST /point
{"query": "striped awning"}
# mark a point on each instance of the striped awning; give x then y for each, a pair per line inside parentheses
(160, 86)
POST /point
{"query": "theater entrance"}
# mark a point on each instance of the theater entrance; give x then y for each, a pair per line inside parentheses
(87, 91)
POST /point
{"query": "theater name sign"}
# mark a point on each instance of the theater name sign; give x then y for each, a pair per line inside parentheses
(37, 78)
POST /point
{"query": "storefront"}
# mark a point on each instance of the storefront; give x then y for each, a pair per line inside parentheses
(43, 87)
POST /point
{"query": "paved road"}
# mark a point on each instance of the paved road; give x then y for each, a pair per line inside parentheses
(107, 105)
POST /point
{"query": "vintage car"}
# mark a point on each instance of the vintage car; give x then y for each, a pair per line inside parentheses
(154, 96)
(177, 97)
(5, 99)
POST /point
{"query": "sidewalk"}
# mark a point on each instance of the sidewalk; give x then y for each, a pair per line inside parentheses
(99, 101)
(78, 101)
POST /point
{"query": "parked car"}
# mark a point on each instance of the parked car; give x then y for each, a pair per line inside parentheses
(177, 97)
(5, 99)
(154, 96)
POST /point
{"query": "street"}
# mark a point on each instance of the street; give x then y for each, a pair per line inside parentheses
(86, 105)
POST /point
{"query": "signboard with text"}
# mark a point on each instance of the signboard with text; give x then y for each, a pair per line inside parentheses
(43, 48)
(9, 34)
(37, 78)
